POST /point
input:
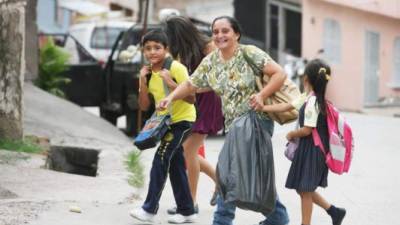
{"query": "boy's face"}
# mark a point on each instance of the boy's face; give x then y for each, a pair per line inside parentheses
(154, 52)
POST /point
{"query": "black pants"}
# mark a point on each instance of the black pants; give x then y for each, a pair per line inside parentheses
(169, 159)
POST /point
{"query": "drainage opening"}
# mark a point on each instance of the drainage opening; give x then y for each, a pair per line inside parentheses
(81, 161)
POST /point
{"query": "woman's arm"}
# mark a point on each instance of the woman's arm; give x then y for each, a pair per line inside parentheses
(184, 89)
(172, 85)
(276, 79)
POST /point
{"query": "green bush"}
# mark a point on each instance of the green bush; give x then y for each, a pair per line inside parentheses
(52, 63)
(136, 177)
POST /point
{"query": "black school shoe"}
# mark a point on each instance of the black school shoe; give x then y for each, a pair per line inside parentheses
(337, 215)
(172, 211)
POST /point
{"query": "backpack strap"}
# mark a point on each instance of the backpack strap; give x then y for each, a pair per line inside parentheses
(334, 120)
(167, 63)
(317, 139)
(257, 71)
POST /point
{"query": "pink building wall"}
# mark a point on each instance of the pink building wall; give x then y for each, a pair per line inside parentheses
(346, 88)
(384, 7)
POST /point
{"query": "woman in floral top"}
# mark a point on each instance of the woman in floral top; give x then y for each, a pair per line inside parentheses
(228, 74)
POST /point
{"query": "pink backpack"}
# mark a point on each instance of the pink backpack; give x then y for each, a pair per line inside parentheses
(341, 143)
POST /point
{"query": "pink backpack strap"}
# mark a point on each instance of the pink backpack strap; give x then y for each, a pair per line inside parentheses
(336, 125)
(318, 141)
(317, 138)
(331, 115)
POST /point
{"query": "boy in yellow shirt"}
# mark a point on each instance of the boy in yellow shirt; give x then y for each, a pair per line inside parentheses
(169, 155)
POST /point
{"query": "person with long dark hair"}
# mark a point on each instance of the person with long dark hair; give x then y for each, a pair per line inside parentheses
(190, 46)
(227, 73)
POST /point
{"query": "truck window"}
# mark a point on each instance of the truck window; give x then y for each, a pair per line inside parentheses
(104, 37)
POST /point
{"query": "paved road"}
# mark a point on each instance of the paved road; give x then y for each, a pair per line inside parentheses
(369, 192)
(39, 197)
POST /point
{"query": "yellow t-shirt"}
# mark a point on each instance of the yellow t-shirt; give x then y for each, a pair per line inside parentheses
(181, 110)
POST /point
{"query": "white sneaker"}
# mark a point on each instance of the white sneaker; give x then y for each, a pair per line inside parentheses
(142, 215)
(179, 218)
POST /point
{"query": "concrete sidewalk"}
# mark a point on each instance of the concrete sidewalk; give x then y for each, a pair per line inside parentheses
(389, 111)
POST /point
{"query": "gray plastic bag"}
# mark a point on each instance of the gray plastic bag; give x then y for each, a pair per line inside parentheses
(245, 169)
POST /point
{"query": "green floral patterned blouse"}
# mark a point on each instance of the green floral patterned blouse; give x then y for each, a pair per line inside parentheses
(233, 80)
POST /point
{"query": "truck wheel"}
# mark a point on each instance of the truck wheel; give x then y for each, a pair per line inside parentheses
(131, 123)
(109, 116)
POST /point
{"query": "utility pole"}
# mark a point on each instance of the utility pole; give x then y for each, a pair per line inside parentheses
(12, 68)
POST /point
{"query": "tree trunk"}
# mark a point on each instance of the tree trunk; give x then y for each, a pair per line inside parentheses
(12, 67)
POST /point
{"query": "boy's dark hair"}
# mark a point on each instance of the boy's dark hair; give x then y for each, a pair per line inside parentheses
(156, 36)
(318, 73)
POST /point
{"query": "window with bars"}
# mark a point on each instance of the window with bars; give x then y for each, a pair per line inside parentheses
(332, 41)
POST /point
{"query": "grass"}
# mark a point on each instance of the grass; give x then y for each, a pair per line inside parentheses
(27, 145)
(134, 166)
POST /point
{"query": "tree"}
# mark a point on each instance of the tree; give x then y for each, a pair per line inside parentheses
(12, 67)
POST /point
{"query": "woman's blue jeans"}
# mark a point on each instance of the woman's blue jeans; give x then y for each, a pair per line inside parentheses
(225, 214)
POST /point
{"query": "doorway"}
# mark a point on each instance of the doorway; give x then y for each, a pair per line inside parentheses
(283, 30)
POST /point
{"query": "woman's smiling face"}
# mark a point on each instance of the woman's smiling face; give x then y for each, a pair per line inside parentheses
(223, 35)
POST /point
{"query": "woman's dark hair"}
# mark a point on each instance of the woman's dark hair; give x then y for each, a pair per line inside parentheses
(186, 41)
(156, 36)
(232, 21)
(318, 74)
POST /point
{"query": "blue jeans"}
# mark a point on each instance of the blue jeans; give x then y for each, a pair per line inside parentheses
(225, 214)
